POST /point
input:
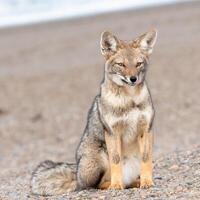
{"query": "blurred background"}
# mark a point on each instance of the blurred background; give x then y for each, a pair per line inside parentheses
(15, 12)
(51, 68)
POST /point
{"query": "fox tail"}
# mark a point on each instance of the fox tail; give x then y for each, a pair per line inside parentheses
(51, 178)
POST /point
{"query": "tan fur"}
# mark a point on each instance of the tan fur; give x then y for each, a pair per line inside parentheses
(115, 150)
(105, 185)
(113, 143)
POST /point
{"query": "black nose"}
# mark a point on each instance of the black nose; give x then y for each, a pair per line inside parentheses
(133, 79)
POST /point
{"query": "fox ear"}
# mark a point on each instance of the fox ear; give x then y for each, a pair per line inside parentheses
(109, 43)
(147, 41)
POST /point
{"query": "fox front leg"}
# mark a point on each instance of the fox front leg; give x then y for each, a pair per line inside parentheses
(113, 143)
(145, 141)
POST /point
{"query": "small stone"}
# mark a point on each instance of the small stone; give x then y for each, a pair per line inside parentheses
(179, 188)
(174, 167)
(2, 111)
(36, 117)
(189, 183)
(158, 178)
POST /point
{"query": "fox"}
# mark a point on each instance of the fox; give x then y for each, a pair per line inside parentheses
(115, 151)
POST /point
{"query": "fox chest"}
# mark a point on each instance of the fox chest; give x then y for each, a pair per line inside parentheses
(126, 122)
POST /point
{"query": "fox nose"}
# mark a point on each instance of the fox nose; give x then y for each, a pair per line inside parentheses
(133, 79)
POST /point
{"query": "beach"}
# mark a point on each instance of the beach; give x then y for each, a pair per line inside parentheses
(51, 72)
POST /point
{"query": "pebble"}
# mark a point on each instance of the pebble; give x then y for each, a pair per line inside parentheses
(174, 167)
(179, 188)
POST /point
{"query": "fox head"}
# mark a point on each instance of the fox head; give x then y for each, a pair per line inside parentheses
(126, 62)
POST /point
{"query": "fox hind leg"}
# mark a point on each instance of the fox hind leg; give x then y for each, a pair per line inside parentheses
(90, 171)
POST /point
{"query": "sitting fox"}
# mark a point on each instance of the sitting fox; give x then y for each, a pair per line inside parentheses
(115, 151)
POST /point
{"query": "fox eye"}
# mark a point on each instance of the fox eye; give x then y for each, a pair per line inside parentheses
(121, 64)
(139, 64)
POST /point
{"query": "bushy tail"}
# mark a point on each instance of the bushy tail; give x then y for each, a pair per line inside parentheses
(51, 178)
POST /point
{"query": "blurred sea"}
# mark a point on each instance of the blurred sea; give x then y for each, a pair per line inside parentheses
(19, 12)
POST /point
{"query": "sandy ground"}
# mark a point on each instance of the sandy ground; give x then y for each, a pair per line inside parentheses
(50, 73)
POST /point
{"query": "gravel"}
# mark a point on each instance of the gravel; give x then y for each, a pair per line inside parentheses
(50, 73)
(176, 176)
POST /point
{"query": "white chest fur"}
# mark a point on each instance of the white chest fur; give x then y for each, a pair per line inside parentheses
(131, 117)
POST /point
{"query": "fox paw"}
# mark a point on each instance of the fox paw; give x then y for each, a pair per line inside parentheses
(116, 186)
(146, 183)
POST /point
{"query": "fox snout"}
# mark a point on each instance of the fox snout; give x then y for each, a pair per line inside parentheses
(131, 74)
(130, 80)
